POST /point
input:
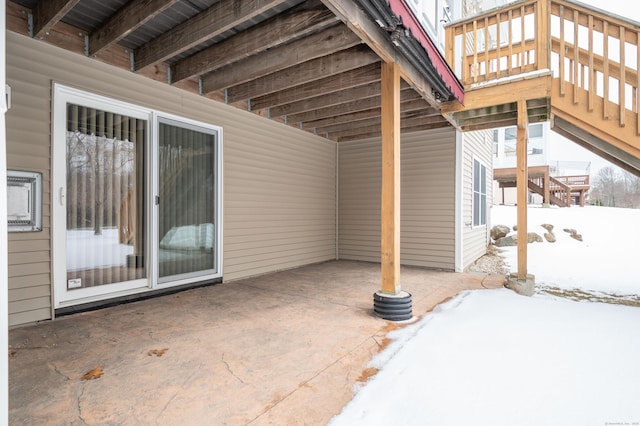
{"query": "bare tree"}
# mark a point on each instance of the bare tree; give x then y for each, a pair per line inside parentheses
(631, 184)
(613, 187)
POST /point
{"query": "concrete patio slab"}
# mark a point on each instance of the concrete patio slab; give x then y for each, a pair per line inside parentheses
(283, 348)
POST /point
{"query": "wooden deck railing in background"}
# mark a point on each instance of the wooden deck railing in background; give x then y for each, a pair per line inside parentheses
(599, 72)
(604, 63)
(576, 181)
(560, 190)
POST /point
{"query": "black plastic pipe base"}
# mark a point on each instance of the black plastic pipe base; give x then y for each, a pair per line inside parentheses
(393, 307)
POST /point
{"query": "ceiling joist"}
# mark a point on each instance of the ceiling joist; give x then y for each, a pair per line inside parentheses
(221, 17)
(300, 21)
(407, 106)
(48, 13)
(314, 46)
(126, 20)
(345, 80)
(363, 91)
(350, 107)
(306, 72)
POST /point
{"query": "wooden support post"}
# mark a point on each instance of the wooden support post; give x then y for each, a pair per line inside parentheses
(576, 56)
(522, 187)
(543, 36)
(638, 83)
(623, 77)
(605, 72)
(592, 72)
(562, 52)
(390, 200)
(546, 188)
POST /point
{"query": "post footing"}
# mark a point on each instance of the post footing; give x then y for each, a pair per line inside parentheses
(525, 288)
(393, 307)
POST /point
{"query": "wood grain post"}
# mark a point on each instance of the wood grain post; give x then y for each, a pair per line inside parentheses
(547, 192)
(521, 183)
(390, 197)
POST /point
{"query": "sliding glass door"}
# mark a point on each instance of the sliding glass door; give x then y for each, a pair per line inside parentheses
(187, 207)
(136, 199)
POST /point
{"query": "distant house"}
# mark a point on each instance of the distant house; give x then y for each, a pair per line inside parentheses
(568, 181)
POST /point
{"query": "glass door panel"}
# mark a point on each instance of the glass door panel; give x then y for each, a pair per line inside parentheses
(186, 201)
(105, 197)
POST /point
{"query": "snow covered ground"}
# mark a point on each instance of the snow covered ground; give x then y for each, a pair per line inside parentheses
(492, 357)
(607, 260)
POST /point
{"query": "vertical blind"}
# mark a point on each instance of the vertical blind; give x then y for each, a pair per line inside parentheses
(105, 197)
(186, 206)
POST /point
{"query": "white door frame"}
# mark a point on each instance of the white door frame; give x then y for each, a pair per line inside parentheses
(61, 296)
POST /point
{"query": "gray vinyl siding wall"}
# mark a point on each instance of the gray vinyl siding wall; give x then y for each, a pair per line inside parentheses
(279, 182)
(427, 236)
(476, 145)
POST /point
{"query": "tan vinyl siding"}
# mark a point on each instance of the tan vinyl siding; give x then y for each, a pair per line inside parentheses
(279, 207)
(427, 199)
(475, 239)
(279, 182)
(360, 181)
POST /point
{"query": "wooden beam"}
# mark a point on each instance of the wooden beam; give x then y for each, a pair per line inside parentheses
(351, 107)
(339, 62)
(352, 127)
(219, 18)
(422, 127)
(522, 183)
(623, 138)
(390, 200)
(345, 109)
(126, 20)
(336, 123)
(365, 126)
(532, 113)
(375, 133)
(502, 108)
(298, 22)
(314, 46)
(353, 78)
(535, 87)
(352, 117)
(419, 118)
(327, 100)
(372, 118)
(46, 14)
(566, 127)
(377, 39)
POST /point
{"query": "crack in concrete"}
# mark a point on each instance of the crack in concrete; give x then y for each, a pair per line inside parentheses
(306, 382)
(226, 364)
(166, 406)
(55, 368)
(187, 381)
(84, 422)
